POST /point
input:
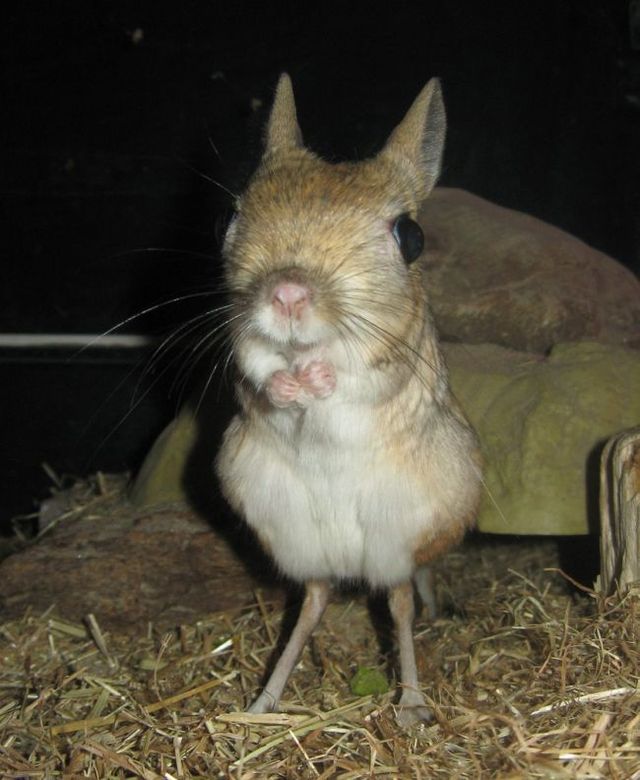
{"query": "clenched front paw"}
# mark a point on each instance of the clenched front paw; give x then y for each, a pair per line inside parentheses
(283, 389)
(317, 378)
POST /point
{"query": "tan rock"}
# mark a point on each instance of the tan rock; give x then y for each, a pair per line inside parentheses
(499, 276)
(542, 423)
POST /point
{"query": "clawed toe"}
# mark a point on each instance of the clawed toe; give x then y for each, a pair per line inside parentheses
(412, 709)
(264, 703)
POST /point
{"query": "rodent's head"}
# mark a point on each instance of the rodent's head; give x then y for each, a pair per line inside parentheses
(320, 251)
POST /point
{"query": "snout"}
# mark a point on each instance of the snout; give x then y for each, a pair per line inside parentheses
(290, 299)
(286, 308)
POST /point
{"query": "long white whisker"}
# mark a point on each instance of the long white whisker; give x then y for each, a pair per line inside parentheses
(144, 312)
(399, 347)
(208, 178)
(184, 330)
(211, 340)
(172, 340)
(160, 250)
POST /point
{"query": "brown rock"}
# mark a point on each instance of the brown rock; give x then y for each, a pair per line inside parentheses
(166, 565)
(503, 277)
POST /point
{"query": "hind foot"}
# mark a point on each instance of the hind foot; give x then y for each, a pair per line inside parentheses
(412, 709)
(264, 703)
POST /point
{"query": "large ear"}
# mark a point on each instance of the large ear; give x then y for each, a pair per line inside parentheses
(419, 138)
(282, 131)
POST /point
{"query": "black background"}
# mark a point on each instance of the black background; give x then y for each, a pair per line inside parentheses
(116, 117)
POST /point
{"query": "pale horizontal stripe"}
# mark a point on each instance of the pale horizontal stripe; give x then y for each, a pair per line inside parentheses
(74, 340)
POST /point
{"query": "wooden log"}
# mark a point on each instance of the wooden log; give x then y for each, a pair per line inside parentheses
(620, 513)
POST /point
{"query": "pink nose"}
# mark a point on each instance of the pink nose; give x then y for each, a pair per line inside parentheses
(290, 299)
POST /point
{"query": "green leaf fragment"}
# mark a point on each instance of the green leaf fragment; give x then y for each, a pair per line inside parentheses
(368, 682)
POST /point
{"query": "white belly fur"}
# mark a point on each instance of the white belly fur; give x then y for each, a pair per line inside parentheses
(324, 499)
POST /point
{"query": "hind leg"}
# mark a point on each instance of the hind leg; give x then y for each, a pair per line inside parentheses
(412, 708)
(424, 581)
(313, 607)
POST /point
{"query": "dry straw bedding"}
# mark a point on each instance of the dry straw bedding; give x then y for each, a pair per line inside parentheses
(527, 676)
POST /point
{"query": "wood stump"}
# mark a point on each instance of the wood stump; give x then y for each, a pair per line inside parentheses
(620, 513)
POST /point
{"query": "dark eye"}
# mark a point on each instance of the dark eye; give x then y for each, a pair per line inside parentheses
(409, 236)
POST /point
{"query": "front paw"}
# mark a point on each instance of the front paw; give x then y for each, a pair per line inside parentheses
(318, 379)
(283, 389)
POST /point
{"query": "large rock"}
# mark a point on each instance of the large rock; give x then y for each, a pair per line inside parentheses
(541, 423)
(503, 277)
(165, 564)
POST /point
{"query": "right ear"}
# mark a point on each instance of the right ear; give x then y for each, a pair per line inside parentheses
(283, 132)
(419, 138)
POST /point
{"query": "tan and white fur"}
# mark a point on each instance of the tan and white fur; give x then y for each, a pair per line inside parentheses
(349, 457)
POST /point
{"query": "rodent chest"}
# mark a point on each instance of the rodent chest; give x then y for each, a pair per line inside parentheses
(327, 427)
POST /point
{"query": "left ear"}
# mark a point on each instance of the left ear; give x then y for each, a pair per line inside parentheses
(419, 138)
(283, 132)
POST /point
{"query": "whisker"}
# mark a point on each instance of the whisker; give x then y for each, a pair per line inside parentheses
(169, 343)
(150, 368)
(204, 176)
(104, 405)
(134, 406)
(161, 250)
(143, 313)
(205, 388)
(214, 147)
(183, 331)
(132, 409)
(227, 362)
(210, 341)
(398, 347)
